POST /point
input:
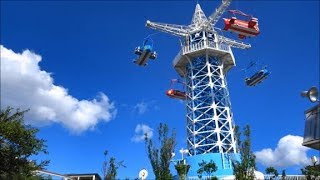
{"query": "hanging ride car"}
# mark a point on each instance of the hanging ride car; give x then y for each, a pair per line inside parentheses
(244, 28)
(145, 53)
(258, 77)
(174, 93)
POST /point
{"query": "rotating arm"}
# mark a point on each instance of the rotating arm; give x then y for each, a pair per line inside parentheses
(234, 43)
(177, 30)
(213, 19)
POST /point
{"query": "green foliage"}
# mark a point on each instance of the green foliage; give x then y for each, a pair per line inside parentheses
(18, 142)
(244, 170)
(38, 177)
(208, 168)
(311, 172)
(110, 167)
(160, 157)
(272, 170)
(214, 178)
(283, 176)
(182, 170)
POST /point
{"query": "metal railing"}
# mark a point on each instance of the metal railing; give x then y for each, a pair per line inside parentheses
(203, 45)
(266, 177)
(287, 177)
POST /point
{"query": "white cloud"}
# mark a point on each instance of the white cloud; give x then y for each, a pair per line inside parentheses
(140, 131)
(141, 107)
(24, 85)
(289, 152)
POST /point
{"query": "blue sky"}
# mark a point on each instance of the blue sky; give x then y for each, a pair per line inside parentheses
(86, 49)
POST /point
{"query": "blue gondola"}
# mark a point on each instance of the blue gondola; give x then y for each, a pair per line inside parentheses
(257, 77)
(145, 53)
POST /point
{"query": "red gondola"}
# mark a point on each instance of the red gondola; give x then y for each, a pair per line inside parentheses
(176, 94)
(242, 27)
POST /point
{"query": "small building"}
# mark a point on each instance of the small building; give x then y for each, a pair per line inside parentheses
(88, 176)
(91, 176)
(312, 128)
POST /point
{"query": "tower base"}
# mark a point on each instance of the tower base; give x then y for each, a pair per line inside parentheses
(222, 160)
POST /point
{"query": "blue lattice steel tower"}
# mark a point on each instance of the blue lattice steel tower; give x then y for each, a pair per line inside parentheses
(204, 60)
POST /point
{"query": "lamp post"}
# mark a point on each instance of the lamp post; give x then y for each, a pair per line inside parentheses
(183, 151)
(181, 166)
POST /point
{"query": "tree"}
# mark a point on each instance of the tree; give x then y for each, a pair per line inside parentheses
(283, 176)
(160, 157)
(18, 142)
(272, 170)
(244, 169)
(182, 170)
(311, 172)
(208, 168)
(110, 168)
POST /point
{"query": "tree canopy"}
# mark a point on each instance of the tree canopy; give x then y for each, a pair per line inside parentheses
(18, 142)
(272, 170)
(311, 172)
(208, 168)
(245, 168)
(110, 168)
(160, 157)
(182, 170)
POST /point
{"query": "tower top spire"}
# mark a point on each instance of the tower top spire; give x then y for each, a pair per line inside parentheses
(198, 17)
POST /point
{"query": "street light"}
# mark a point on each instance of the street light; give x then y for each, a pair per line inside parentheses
(312, 127)
(312, 94)
(314, 160)
(183, 151)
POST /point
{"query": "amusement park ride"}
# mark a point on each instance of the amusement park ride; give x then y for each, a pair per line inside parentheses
(145, 53)
(204, 60)
(241, 27)
(258, 76)
(174, 93)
